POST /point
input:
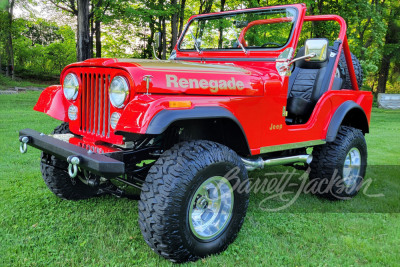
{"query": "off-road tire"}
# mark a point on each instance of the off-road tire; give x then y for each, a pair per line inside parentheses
(169, 186)
(55, 175)
(328, 162)
(344, 71)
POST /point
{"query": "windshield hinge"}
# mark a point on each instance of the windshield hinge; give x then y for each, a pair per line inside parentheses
(284, 112)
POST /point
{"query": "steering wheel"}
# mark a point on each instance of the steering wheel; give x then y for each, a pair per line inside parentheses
(271, 43)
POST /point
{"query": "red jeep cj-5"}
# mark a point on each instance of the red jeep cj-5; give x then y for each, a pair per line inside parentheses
(238, 93)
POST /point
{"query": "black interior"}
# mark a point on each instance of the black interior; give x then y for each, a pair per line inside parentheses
(305, 87)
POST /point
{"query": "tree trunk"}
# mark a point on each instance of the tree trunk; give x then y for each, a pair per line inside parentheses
(83, 46)
(164, 39)
(383, 75)
(182, 16)
(91, 34)
(392, 38)
(11, 57)
(77, 38)
(174, 25)
(98, 39)
(221, 29)
(208, 6)
(148, 53)
(8, 54)
(223, 5)
(159, 29)
(10, 67)
(202, 2)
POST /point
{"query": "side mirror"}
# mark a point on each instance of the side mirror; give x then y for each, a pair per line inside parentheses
(158, 40)
(318, 46)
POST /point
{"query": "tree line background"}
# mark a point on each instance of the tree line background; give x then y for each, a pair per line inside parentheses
(38, 46)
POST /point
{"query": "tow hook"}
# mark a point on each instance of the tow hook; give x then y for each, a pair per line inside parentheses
(23, 141)
(73, 166)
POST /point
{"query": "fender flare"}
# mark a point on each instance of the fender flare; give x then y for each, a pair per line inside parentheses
(340, 114)
(163, 119)
(53, 103)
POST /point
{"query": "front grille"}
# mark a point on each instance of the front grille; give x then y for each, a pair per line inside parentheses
(95, 105)
(93, 148)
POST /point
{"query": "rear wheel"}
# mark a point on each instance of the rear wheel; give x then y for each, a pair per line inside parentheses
(55, 175)
(339, 167)
(193, 201)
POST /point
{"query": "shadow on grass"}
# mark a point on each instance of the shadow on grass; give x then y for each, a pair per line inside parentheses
(285, 189)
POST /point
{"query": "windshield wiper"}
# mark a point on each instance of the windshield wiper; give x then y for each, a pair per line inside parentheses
(195, 42)
(240, 43)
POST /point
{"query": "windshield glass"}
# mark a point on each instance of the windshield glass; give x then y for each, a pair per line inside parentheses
(264, 29)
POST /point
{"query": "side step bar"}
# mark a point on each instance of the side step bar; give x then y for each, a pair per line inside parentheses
(253, 164)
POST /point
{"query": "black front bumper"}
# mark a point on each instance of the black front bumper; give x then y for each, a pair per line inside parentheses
(96, 163)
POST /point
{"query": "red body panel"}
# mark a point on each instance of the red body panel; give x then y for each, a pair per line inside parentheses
(53, 103)
(251, 89)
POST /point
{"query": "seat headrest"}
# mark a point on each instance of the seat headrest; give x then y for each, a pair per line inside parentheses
(309, 64)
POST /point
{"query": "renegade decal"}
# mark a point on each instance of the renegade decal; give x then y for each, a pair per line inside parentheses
(214, 85)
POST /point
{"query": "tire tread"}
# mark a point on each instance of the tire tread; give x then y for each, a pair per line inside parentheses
(329, 157)
(55, 175)
(167, 180)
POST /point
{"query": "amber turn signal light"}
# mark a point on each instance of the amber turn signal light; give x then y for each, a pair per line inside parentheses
(180, 104)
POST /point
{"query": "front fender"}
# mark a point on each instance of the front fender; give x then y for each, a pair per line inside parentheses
(152, 115)
(165, 118)
(53, 103)
(142, 109)
(137, 114)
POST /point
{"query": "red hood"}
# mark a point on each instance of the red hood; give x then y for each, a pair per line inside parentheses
(182, 77)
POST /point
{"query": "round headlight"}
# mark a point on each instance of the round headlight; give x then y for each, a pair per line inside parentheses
(119, 91)
(71, 86)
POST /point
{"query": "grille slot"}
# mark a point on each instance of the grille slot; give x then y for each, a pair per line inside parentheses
(95, 106)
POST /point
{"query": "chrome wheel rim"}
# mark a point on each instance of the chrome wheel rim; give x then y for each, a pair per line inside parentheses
(211, 207)
(352, 167)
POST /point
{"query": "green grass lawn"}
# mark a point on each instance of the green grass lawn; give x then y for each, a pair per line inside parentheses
(37, 228)
(6, 83)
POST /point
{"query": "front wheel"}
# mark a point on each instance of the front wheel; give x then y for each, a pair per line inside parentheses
(193, 201)
(339, 167)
